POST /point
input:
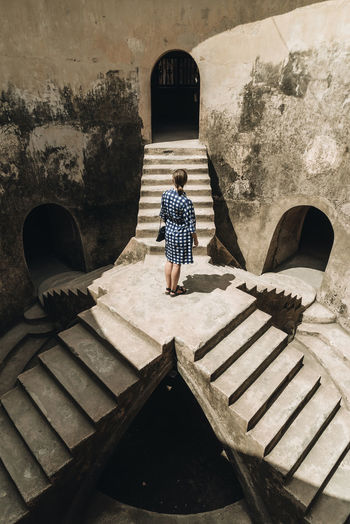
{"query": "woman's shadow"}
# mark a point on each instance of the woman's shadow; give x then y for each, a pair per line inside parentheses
(207, 283)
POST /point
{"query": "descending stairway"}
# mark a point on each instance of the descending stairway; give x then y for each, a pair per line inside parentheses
(55, 423)
(280, 414)
(160, 160)
(66, 294)
(20, 344)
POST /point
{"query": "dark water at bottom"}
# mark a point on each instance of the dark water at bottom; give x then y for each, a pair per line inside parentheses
(170, 461)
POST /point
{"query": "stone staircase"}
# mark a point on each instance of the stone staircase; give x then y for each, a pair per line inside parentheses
(66, 294)
(20, 344)
(278, 412)
(66, 413)
(160, 160)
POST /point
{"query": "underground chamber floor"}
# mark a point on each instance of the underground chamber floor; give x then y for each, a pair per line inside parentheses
(170, 461)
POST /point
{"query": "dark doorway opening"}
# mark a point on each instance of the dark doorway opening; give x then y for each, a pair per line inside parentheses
(170, 461)
(51, 242)
(303, 238)
(175, 90)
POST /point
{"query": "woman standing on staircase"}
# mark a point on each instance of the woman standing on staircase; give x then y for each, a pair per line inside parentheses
(180, 231)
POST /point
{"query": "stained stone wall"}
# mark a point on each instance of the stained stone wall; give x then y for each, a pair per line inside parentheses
(277, 129)
(75, 113)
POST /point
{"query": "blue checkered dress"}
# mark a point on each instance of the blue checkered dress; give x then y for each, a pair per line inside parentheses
(180, 221)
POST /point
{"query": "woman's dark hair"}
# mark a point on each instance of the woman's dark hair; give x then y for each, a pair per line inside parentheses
(180, 179)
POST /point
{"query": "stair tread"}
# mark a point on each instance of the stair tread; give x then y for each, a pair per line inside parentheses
(196, 199)
(35, 312)
(188, 144)
(20, 357)
(163, 178)
(151, 241)
(334, 502)
(231, 345)
(155, 225)
(176, 165)
(160, 156)
(336, 365)
(72, 426)
(83, 280)
(24, 470)
(299, 436)
(12, 506)
(14, 336)
(57, 280)
(92, 399)
(45, 445)
(108, 367)
(285, 406)
(234, 379)
(265, 386)
(155, 212)
(135, 348)
(321, 459)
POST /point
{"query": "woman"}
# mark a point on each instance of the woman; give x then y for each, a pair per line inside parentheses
(180, 232)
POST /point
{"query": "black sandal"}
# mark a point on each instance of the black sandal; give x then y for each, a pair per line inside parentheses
(180, 290)
(167, 290)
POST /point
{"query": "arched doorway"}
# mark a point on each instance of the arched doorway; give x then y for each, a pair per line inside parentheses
(51, 242)
(303, 238)
(175, 89)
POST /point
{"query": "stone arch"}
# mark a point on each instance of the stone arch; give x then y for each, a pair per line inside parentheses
(302, 230)
(175, 95)
(51, 232)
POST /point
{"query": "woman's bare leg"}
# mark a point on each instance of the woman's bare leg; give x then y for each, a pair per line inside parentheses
(168, 269)
(175, 275)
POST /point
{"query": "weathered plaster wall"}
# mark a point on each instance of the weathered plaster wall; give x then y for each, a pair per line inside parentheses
(275, 116)
(75, 112)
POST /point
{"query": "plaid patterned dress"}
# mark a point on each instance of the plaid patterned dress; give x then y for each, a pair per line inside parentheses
(180, 221)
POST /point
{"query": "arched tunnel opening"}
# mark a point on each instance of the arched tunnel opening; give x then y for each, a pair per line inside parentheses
(175, 97)
(301, 244)
(170, 461)
(51, 242)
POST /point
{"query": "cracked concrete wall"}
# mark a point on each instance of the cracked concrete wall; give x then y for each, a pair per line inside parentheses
(275, 117)
(75, 112)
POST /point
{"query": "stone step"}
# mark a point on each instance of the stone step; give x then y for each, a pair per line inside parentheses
(15, 336)
(333, 504)
(135, 347)
(81, 282)
(64, 416)
(41, 439)
(35, 314)
(152, 215)
(24, 470)
(240, 375)
(163, 180)
(106, 365)
(95, 401)
(157, 248)
(177, 147)
(227, 351)
(335, 364)
(256, 400)
(12, 506)
(192, 169)
(284, 410)
(299, 438)
(149, 229)
(319, 314)
(161, 158)
(57, 280)
(147, 202)
(322, 461)
(191, 191)
(19, 358)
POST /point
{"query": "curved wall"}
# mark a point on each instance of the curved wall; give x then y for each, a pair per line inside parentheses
(277, 130)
